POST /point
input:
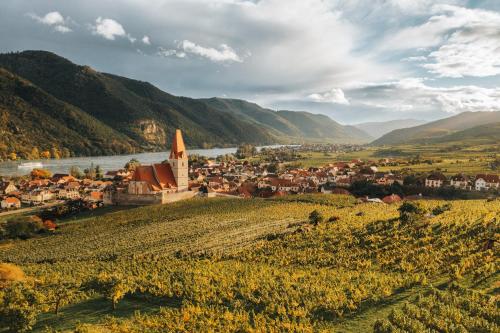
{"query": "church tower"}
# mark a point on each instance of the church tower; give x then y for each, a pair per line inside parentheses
(179, 161)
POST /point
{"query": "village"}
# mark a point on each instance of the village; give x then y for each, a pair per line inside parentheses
(185, 177)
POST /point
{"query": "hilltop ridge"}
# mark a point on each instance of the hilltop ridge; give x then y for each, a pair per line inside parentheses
(442, 128)
(143, 117)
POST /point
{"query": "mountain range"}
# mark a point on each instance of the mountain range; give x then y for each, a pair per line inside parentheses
(46, 101)
(463, 126)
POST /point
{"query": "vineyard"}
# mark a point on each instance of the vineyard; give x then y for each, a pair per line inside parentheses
(232, 265)
(453, 310)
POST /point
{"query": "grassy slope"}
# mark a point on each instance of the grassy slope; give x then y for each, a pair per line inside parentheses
(484, 134)
(439, 128)
(238, 228)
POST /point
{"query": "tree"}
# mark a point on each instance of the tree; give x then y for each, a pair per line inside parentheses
(35, 154)
(45, 154)
(54, 153)
(18, 307)
(99, 174)
(90, 173)
(112, 286)
(410, 212)
(23, 227)
(65, 153)
(40, 174)
(132, 164)
(12, 156)
(75, 172)
(273, 168)
(315, 217)
(59, 292)
(225, 158)
(245, 151)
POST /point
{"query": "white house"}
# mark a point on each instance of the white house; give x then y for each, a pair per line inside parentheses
(460, 181)
(10, 202)
(68, 193)
(486, 182)
(37, 196)
(435, 180)
(7, 188)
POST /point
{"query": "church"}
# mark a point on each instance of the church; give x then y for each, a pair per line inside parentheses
(157, 183)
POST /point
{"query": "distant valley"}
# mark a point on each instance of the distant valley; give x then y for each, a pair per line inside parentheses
(378, 128)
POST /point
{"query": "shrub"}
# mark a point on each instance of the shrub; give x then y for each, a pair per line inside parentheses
(333, 218)
(10, 273)
(315, 217)
(410, 212)
(24, 227)
(441, 209)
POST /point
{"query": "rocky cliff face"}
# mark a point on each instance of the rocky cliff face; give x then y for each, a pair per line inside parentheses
(152, 132)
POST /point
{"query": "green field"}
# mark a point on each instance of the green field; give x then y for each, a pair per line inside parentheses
(258, 265)
(448, 159)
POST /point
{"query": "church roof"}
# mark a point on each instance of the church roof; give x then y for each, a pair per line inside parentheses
(158, 176)
(178, 148)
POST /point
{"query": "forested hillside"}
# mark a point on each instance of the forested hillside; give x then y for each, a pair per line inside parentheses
(33, 122)
(144, 117)
(233, 265)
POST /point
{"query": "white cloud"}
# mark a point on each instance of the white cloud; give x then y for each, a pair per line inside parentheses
(170, 52)
(413, 94)
(335, 95)
(108, 28)
(49, 18)
(54, 19)
(467, 41)
(225, 52)
(414, 59)
(433, 32)
(418, 7)
(470, 52)
(63, 29)
(146, 40)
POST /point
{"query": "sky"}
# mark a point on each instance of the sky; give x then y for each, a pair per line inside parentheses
(354, 60)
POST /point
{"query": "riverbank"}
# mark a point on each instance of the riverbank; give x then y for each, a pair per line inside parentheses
(107, 163)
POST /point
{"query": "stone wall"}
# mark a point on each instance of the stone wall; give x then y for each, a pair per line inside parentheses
(126, 199)
(173, 197)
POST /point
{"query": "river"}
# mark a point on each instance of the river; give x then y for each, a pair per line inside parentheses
(107, 163)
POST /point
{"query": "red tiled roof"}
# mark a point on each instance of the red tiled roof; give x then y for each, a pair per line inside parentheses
(158, 176)
(391, 198)
(489, 178)
(96, 195)
(12, 200)
(437, 176)
(165, 175)
(145, 173)
(460, 178)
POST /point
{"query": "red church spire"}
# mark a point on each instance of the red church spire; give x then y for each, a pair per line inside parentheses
(178, 148)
